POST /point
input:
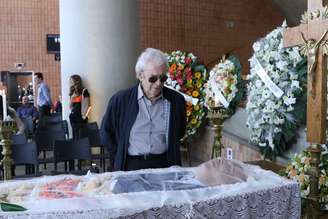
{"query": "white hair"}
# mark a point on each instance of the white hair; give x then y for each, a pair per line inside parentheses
(150, 55)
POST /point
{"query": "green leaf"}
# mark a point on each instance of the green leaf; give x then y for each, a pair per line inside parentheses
(11, 207)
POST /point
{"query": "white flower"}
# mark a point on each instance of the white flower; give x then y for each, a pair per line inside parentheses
(222, 79)
(256, 46)
(289, 100)
(295, 84)
(267, 113)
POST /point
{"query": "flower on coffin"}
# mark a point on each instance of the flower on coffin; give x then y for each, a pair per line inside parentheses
(273, 121)
(188, 76)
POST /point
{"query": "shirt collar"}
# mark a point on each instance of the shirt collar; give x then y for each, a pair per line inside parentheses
(41, 83)
(141, 94)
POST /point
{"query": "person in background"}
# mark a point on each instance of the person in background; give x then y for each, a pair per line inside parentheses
(143, 125)
(79, 104)
(20, 92)
(58, 105)
(44, 102)
(27, 110)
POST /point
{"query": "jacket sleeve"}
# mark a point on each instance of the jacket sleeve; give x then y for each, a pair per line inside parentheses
(108, 129)
(183, 118)
(35, 112)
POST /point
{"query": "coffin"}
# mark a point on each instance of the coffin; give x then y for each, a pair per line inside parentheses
(216, 189)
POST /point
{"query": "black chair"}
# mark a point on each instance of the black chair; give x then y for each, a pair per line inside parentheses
(91, 131)
(19, 139)
(72, 150)
(45, 142)
(55, 126)
(54, 117)
(26, 154)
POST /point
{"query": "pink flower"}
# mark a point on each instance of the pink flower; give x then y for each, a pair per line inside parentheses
(187, 70)
(187, 60)
(189, 75)
(180, 81)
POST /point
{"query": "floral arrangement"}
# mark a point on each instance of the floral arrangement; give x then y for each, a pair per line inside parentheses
(224, 82)
(273, 120)
(187, 76)
(297, 169)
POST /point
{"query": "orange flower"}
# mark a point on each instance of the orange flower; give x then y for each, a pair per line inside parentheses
(301, 178)
(307, 161)
(189, 106)
(293, 172)
(195, 93)
(227, 90)
(322, 180)
(173, 67)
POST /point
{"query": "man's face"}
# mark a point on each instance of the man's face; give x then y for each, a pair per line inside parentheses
(37, 80)
(25, 100)
(152, 79)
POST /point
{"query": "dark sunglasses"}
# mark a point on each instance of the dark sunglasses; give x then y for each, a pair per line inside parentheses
(154, 78)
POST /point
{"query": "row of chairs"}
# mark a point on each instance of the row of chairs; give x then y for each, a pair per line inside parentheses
(51, 133)
(64, 151)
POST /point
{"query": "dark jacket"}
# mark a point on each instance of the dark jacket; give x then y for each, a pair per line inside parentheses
(120, 116)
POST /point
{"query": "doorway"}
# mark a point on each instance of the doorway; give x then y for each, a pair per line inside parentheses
(19, 84)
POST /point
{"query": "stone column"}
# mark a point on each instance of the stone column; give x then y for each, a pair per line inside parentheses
(99, 41)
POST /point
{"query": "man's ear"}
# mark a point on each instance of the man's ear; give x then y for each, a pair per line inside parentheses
(140, 76)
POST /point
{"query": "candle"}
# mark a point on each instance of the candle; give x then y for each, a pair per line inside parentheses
(4, 104)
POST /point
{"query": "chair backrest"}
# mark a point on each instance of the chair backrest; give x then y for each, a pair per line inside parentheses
(55, 126)
(93, 135)
(19, 139)
(25, 153)
(72, 149)
(54, 117)
(45, 139)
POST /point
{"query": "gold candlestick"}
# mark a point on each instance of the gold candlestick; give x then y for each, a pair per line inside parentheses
(217, 115)
(313, 205)
(7, 128)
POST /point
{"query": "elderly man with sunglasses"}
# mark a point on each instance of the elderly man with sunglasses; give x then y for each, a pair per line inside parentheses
(143, 125)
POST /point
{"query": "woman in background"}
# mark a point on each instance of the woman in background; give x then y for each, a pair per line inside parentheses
(79, 104)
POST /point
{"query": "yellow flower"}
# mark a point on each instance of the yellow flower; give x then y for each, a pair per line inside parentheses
(189, 81)
(196, 107)
(199, 85)
(195, 93)
(198, 75)
(193, 121)
(188, 113)
(180, 66)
